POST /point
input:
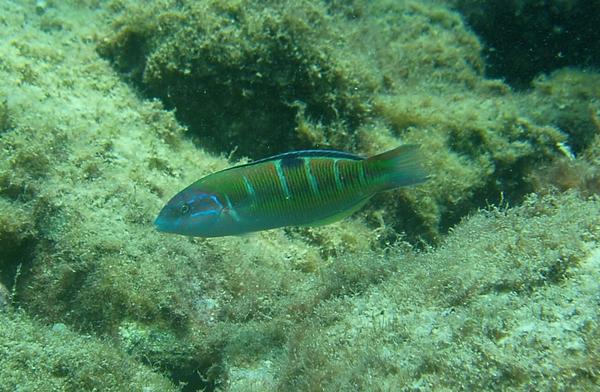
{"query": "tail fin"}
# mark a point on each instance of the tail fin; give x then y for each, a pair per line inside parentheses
(401, 166)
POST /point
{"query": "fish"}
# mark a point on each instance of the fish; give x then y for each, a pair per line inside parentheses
(298, 188)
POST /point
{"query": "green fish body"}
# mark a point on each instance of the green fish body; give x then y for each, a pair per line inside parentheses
(300, 188)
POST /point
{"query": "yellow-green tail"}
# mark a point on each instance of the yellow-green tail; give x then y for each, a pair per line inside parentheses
(401, 166)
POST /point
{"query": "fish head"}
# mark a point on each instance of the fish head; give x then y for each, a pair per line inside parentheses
(191, 212)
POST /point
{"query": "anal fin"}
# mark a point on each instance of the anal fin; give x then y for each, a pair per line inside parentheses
(340, 215)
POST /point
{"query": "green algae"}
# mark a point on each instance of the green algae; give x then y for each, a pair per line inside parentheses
(35, 357)
(267, 64)
(509, 302)
(87, 161)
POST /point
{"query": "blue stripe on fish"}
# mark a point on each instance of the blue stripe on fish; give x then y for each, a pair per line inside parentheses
(282, 179)
(311, 178)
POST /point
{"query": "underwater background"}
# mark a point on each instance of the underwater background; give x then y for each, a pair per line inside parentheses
(486, 277)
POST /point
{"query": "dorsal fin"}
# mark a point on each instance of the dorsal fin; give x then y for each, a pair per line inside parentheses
(304, 154)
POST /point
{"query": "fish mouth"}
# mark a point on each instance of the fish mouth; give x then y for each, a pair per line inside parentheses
(160, 224)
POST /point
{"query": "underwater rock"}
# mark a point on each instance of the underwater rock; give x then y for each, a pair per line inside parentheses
(36, 357)
(243, 75)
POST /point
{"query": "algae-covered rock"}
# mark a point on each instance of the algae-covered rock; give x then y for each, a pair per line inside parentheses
(242, 73)
(288, 74)
(569, 100)
(508, 302)
(36, 357)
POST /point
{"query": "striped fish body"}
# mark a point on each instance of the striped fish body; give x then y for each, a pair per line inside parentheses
(306, 188)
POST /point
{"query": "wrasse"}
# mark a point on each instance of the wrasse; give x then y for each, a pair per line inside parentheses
(300, 188)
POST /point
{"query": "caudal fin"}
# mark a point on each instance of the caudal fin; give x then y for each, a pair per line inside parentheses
(401, 166)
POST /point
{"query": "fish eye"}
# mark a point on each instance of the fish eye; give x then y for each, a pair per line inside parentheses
(185, 209)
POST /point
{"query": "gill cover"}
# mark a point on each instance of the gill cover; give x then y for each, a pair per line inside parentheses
(191, 212)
